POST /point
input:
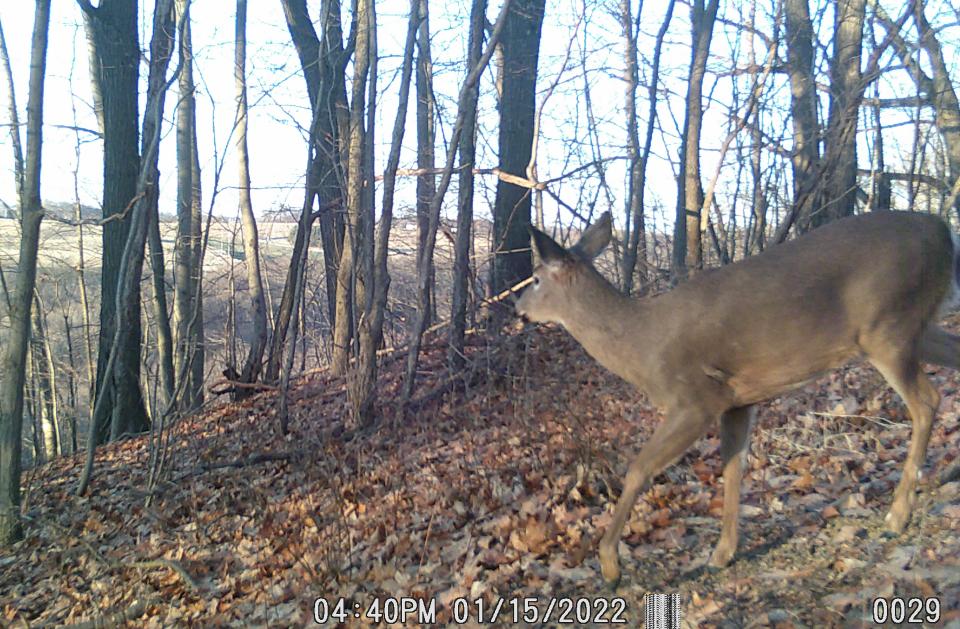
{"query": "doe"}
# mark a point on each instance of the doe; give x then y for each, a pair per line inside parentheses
(866, 287)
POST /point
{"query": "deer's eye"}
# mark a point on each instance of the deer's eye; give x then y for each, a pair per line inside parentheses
(536, 280)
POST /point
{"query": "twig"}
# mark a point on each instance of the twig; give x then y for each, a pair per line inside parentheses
(232, 385)
(95, 222)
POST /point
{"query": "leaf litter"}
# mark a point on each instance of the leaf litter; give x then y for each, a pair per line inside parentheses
(500, 489)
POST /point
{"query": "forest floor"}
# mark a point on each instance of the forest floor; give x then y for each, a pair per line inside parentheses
(497, 492)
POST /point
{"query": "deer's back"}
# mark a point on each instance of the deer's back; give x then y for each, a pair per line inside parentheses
(779, 318)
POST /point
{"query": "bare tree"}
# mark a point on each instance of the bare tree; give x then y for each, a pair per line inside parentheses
(936, 89)
(351, 279)
(47, 404)
(635, 237)
(116, 50)
(188, 304)
(512, 260)
(15, 350)
(423, 272)
(426, 141)
(839, 183)
(251, 245)
(370, 327)
(468, 156)
(687, 247)
(323, 63)
(14, 118)
(131, 262)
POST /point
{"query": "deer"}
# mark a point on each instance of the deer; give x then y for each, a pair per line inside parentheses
(868, 287)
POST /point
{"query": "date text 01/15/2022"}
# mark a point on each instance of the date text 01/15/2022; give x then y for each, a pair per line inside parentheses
(573, 611)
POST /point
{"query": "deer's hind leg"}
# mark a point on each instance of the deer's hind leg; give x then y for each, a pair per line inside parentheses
(735, 427)
(901, 368)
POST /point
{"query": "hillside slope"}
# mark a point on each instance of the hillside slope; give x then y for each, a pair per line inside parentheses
(499, 491)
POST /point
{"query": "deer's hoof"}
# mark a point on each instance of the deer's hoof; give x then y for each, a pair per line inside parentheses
(896, 521)
(610, 566)
(721, 557)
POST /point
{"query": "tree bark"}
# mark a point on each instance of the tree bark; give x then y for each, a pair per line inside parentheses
(251, 241)
(351, 276)
(423, 275)
(187, 304)
(370, 328)
(15, 349)
(323, 69)
(468, 152)
(117, 50)
(512, 260)
(159, 285)
(687, 239)
(636, 247)
(426, 141)
(131, 261)
(47, 404)
(839, 183)
(805, 155)
(634, 228)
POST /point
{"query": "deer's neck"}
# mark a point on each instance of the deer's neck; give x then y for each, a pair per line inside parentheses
(607, 323)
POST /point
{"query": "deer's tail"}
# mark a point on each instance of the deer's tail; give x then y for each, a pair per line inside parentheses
(938, 346)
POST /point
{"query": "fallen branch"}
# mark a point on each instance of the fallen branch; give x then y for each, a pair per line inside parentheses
(231, 385)
(263, 457)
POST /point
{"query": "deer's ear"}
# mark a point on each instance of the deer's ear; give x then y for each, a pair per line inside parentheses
(548, 250)
(595, 238)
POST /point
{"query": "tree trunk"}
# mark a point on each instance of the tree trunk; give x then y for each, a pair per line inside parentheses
(687, 240)
(324, 174)
(839, 181)
(131, 261)
(187, 303)
(942, 96)
(251, 243)
(634, 228)
(161, 314)
(636, 246)
(117, 49)
(13, 115)
(803, 106)
(71, 383)
(352, 275)
(15, 348)
(374, 265)
(423, 275)
(468, 151)
(512, 261)
(46, 389)
(426, 141)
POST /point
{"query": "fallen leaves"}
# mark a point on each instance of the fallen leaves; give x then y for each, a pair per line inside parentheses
(504, 492)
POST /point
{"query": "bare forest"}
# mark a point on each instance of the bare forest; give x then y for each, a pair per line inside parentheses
(503, 313)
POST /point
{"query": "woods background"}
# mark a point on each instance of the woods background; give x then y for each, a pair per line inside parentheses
(202, 200)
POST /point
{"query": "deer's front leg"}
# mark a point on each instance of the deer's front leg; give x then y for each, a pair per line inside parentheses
(671, 439)
(734, 433)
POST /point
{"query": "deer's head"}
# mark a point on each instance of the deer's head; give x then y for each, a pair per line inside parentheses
(556, 278)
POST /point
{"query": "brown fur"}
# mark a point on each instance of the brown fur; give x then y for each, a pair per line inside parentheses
(862, 287)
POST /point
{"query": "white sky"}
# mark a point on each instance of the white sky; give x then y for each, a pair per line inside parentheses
(279, 105)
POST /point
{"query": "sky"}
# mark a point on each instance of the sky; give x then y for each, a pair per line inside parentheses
(575, 130)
